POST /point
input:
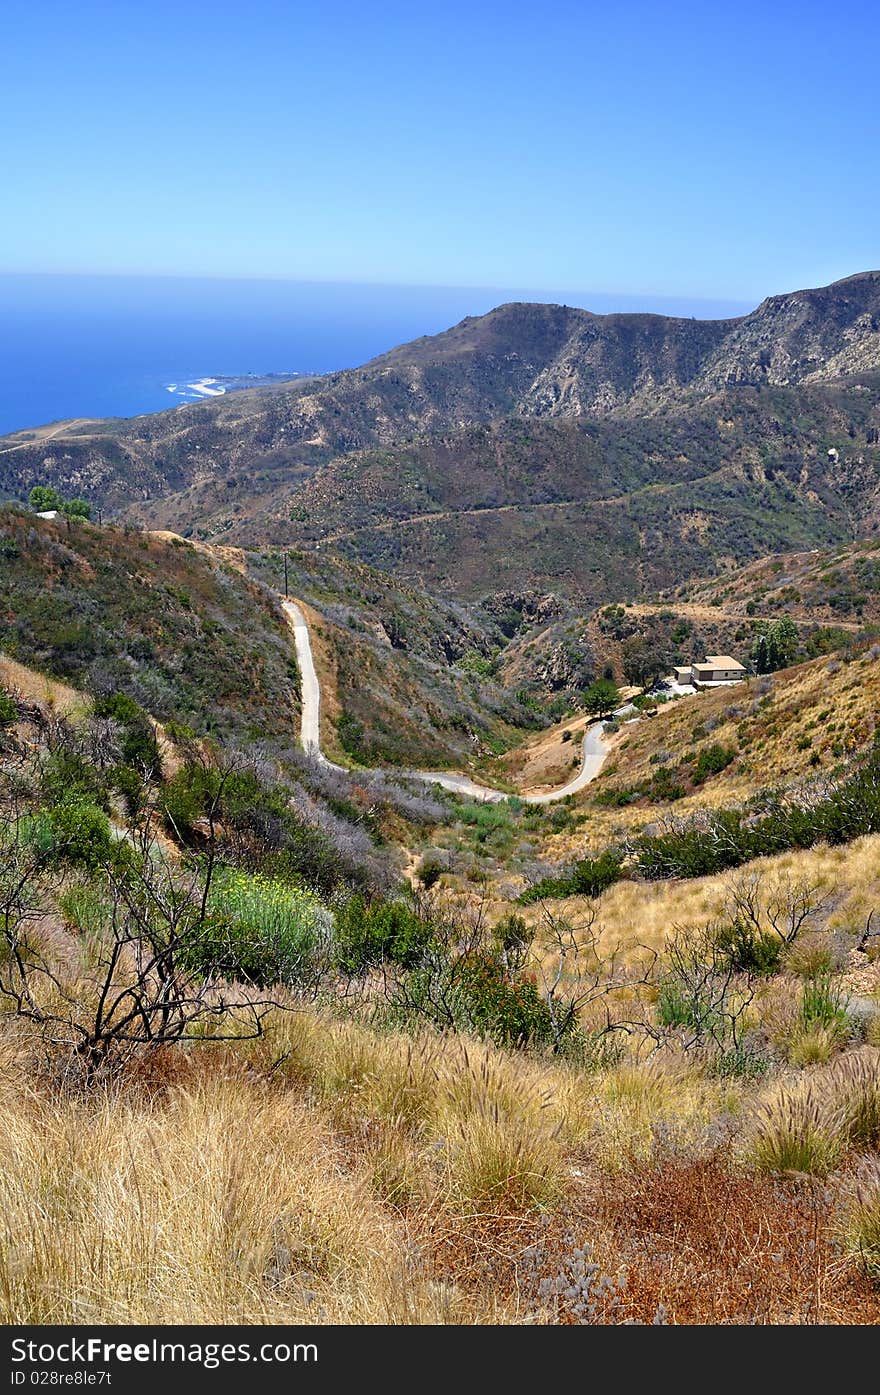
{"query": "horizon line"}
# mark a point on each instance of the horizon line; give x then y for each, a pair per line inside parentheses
(292, 280)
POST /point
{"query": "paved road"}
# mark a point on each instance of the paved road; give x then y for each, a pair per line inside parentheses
(310, 724)
(594, 748)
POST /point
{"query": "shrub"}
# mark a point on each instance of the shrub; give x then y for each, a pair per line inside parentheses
(711, 761)
(664, 786)
(749, 949)
(260, 930)
(430, 871)
(8, 710)
(139, 746)
(367, 934)
(589, 877)
(77, 833)
(724, 838)
(507, 1008)
(676, 1007)
(260, 830)
(351, 735)
(67, 777)
(76, 508)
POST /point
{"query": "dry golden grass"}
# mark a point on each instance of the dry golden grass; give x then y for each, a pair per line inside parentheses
(822, 710)
(329, 1174)
(646, 913)
(37, 687)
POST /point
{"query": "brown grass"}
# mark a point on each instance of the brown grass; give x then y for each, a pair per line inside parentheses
(330, 1174)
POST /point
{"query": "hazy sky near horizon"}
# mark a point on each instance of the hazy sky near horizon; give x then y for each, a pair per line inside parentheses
(689, 148)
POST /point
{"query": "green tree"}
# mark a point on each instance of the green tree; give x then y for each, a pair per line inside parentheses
(76, 508)
(645, 659)
(786, 641)
(776, 646)
(601, 697)
(43, 497)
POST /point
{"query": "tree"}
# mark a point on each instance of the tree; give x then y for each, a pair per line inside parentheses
(601, 697)
(43, 497)
(776, 646)
(645, 659)
(76, 508)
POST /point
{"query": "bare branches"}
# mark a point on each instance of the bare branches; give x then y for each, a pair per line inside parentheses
(783, 907)
(138, 984)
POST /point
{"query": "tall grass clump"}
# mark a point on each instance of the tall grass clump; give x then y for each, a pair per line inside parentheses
(504, 1163)
(854, 1082)
(860, 1229)
(798, 1133)
(823, 1004)
(502, 1146)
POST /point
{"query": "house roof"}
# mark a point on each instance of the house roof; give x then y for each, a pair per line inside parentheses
(721, 661)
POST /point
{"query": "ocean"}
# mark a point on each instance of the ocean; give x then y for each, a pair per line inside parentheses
(115, 346)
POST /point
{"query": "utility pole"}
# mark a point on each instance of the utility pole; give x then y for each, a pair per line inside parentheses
(285, 573)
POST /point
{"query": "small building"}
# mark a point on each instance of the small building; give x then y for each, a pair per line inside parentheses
(682, 674)
(49, 513)
(717, 668)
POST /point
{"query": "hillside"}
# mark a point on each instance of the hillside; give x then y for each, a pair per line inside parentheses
(827, 586)
(605, 509)
(489, 1098)
(228, 458)
(179, 631)
(408, 678)
(485, 1047)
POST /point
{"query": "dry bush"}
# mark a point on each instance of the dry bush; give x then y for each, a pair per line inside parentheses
(706, 1244)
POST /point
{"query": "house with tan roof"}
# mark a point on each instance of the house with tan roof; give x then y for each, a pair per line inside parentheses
(716, 668)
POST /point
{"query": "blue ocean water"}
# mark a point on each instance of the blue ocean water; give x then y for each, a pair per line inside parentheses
(112, 345)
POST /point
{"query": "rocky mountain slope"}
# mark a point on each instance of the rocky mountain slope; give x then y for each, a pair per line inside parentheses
(520, 360)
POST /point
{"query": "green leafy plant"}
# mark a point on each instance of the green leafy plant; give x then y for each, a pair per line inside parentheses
(260, 930)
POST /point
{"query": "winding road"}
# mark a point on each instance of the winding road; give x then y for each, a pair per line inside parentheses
(594, 748)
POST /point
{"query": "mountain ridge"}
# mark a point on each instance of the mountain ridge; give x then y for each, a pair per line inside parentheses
(209, 465)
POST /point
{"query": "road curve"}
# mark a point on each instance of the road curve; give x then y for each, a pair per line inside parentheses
(594, 748)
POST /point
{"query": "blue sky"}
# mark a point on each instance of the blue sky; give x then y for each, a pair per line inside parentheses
(691, 149)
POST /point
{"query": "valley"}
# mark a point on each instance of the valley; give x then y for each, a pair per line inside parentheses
(346, 804)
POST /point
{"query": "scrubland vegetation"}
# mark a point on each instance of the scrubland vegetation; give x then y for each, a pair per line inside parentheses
(281, 1042)
(249, 1078)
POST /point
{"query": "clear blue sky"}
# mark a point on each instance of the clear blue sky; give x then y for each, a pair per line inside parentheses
(702, 149)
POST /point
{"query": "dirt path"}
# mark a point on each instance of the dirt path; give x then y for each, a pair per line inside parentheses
(39, 434)
(702, 611)
(594, 748)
